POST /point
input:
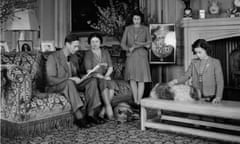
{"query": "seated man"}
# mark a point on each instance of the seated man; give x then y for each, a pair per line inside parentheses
(60, 79)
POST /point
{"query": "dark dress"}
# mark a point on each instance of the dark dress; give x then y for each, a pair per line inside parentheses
(137, 65)
(91, 60)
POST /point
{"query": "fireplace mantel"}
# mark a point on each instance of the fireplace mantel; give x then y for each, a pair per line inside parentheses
(209, 29)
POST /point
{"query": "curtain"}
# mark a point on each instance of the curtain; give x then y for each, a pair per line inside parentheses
(62, 20)
(152, 10)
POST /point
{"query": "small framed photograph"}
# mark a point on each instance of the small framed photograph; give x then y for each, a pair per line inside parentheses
(4, 47)
(163, 50)
(47, 46)
(25, 45)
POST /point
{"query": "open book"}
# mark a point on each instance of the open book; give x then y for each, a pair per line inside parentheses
(86, 76)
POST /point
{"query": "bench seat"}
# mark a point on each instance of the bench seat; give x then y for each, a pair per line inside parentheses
(225, 110)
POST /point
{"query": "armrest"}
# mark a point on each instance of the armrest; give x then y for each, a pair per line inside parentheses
(17, 92)
(17, 73)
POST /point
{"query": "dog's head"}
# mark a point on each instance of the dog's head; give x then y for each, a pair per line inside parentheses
(161, 91)
(122, 112)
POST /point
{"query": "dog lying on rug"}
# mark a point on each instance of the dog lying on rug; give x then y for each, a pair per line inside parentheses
(179, 92)
(124, 113)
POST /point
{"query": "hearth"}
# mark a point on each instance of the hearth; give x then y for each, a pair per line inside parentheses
(224, 36)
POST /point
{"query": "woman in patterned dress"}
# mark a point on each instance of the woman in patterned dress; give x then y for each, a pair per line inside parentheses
(97, 56)
(136, 39)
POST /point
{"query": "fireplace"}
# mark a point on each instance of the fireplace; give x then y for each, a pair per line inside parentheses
(224, 35)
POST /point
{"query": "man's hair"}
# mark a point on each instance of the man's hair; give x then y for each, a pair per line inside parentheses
(70, 38)
(97, 35)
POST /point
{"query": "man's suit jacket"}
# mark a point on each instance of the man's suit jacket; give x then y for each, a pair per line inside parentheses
(58, 73)
(213, 82)
(57, 68)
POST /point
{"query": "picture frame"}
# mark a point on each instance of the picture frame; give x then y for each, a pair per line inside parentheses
(25, 45)
(3, 47)
(163, 49)
(47, 46)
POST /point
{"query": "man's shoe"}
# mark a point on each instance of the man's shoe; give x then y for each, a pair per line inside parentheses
(101, 120)
(93, 120)
(82, 123)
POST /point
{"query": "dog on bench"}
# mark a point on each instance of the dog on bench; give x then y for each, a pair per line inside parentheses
(178, 92)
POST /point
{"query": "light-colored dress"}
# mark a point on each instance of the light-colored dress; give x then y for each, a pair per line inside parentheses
(91, 60)
(137, 66)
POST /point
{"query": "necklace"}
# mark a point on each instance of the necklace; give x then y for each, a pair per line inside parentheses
(202, 67)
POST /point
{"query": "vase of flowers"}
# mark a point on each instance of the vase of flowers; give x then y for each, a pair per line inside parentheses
(113, 18)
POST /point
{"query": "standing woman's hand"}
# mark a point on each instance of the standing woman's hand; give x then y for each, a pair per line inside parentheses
(131, 49)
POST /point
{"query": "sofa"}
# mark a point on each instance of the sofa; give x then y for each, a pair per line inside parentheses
(26, 108)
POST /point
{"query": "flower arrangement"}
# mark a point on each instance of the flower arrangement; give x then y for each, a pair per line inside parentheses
(113, 18)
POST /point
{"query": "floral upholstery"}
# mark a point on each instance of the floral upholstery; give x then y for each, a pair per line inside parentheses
(24, 100)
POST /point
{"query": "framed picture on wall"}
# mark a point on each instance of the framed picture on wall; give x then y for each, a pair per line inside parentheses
(163, 50)
(3, 47)
(25, 45)
(47, 46)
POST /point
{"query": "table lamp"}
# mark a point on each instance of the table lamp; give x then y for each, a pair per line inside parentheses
(23, 20)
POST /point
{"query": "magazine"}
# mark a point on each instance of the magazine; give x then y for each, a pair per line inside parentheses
(88, 75)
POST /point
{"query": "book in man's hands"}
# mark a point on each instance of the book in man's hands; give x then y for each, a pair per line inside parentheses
(88, 75)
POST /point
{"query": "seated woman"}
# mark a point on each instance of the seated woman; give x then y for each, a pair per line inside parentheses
(100, 56)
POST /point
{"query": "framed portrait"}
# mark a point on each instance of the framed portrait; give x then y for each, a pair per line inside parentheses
(4, 47)
(163, 50)
(47, 46)
(25, 45)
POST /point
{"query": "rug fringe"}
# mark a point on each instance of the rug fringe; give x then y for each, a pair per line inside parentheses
(33, 128)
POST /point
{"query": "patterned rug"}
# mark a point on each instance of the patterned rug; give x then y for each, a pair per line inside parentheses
(111, 133)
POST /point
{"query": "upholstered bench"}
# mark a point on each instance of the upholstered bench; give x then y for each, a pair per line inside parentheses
(229, 110)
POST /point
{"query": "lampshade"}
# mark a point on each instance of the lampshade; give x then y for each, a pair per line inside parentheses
(23, 20)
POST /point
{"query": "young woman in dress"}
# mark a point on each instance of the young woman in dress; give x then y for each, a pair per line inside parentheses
(100, 56)
(205, 72)
(136, 40)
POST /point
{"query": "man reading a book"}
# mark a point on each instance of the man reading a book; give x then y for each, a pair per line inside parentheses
(62, 78)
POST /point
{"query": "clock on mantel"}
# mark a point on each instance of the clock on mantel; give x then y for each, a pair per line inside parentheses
(235, 12)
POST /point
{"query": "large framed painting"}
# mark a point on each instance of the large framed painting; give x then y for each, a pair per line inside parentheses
(163, 49)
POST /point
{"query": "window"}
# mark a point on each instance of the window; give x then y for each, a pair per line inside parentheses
(84, 11)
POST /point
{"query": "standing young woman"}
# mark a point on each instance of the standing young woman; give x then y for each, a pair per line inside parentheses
(206, 73)
(136, 39)
(100, 56)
